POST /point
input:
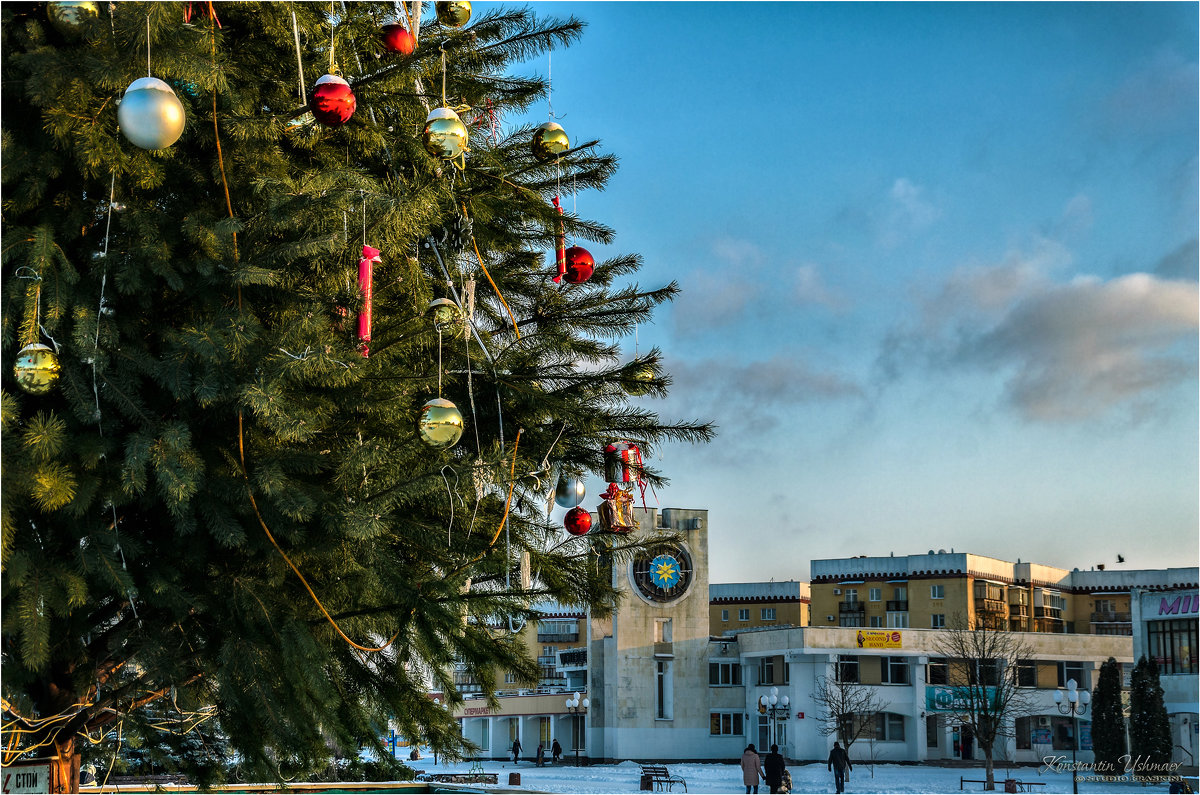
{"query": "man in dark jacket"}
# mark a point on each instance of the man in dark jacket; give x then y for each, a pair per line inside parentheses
(773, 768)
(839, 763)
(516, 751)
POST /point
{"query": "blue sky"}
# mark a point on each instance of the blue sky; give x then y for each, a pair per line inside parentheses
(939, 269)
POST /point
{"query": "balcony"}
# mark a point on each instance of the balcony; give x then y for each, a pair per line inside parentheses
(1018, 611)
(573, 659)
(897, 606)
(851, 607)
(1111, 618)
(1053, 613)
(558, 637)
(991, 605)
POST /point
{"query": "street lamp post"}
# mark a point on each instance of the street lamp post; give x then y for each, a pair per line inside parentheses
(773, 705)
(1075, 704)
(578, 709)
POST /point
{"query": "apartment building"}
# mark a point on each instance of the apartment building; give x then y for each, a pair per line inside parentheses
(940, 589)
(738, 606)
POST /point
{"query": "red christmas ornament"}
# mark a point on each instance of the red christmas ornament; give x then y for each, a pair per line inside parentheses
(579, 265)
(369, 256)
(397, 39)
(332, 102)
(560, 244)
(578, 521)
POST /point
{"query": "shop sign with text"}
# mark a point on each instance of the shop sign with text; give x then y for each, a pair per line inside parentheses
(878, 639)
(944, 698)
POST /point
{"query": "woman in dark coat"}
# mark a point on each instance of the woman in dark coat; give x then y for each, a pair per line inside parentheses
(773, 768)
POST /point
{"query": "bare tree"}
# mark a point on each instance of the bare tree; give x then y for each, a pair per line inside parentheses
(984, 693)
(848, 710)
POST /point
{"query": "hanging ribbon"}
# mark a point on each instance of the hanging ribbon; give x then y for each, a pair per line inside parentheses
(560, 244)
(369, 257)
(211, 13)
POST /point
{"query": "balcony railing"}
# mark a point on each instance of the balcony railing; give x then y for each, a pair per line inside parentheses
(1048, 612)
(851, 607)
(991, 605)
(1111, 618)
(1018, 611)
(897, 606)
(572, 658)
(558, 637)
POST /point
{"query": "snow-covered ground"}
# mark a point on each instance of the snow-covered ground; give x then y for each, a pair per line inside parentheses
(727, 778)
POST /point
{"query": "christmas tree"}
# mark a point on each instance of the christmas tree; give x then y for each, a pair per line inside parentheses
(228, 500)
(1149, 726)
(1108, 720)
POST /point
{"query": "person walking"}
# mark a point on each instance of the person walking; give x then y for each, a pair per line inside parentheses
(773, 768)
(839, 763)
(541, 755)
(751, 769)
(555, 751)
(516, 750)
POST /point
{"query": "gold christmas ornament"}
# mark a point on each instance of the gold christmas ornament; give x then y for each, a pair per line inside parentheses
(150, 115)
(36, 368)
(639, 382)
(453, 14)
(68, 18)
(440, 424)
(549, 141)
(445, 134)
(444, 313)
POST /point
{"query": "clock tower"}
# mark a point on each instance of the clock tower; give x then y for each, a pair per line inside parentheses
(654, 649)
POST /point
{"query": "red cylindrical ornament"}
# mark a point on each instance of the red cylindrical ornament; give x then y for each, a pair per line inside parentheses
(397, 39)
(365, 272)
(332, 102)
(578, 521)
(622, 463)
(560, 244)
(579, 265)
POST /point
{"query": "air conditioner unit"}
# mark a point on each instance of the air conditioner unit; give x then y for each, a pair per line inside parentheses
(1043, 720)
(837, 591)
(696, 523)
(829, 618)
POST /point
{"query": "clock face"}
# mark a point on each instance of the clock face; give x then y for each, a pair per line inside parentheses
(664, 574)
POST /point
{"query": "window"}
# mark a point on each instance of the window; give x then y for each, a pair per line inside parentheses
(485, 735)
(725, 723)
(850, 620)
(1071, 670)
(724, 615)
(510, 678)
(937, 620)
(900, 593)
(662, 630)
(893, 670)
(1023, 728)
(937, 672)
(932, 730)
(876, 621)
(767, 614)
(889, 727)
(1026, 673)
(983, 672)
(847, 668)
(725, 674)
(937, 592)
(744, 614)
(1106, 606)
(662, 687)
(1056, 601)
(876, 594)
(1173, 645)
(897, 620)
(851, 594)
(766, 670)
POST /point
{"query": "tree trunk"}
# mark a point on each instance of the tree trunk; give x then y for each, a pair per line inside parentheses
(64, 767)
(988, 768)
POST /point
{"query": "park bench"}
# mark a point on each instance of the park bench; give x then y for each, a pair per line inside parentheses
(658, 778)
(1016, 784)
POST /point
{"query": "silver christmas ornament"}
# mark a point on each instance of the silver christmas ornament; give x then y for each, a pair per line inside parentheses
(150, 114)
(570, 492)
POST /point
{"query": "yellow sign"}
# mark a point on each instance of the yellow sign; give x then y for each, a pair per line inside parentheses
(879, 639)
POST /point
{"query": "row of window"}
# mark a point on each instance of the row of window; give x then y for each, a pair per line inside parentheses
(894, 671)
(899, 594)
(764, 614)
(889, 726)
(729, 673)
(894, 620)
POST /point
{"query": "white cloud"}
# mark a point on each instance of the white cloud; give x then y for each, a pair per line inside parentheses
(809, 288)
(905, 212)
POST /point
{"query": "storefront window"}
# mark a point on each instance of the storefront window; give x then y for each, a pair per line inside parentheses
(1173, 645)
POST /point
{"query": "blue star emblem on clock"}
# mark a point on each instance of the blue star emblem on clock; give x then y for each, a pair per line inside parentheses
(664, 571)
